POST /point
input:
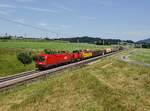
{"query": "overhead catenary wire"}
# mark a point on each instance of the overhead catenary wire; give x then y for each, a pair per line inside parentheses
(28, 25)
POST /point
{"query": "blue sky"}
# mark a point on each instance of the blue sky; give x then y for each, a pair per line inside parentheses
(123, 19)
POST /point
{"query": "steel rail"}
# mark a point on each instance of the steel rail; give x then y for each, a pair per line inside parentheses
(6, 78)
(29, 75)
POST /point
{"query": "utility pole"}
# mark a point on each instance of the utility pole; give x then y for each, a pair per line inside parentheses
(118, 43)
(6, 34)
(25, 35)
(103, 42)
(46, 35)
(62, 35)
(141, 45)
(57, 35)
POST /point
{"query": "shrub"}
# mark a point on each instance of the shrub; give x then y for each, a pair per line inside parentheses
(24, 57)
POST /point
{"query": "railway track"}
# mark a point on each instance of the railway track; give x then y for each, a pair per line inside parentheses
(6, 82)
(2, 79)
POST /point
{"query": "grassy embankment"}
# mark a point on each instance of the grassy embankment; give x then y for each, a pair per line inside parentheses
(142, 55)
(10, 65)
(107, 85)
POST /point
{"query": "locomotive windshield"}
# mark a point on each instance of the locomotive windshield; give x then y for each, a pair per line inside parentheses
(76, 51)
(41, 58)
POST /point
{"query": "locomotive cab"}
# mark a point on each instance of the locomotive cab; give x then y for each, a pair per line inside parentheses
(41, 61)
(40, 58)
(46, 61)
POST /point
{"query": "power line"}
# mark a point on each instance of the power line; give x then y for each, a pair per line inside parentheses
(27, 25)
(33, 27)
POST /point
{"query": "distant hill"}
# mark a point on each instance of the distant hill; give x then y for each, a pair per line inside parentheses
(144, 41)
(84, 39)
(91, 40)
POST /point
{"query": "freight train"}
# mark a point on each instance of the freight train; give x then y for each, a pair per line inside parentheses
(49, 60)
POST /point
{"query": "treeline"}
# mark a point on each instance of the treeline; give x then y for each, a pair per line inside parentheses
(142, 45)
(145, 45)
(9, 37)
(6, 37)
(83, 39)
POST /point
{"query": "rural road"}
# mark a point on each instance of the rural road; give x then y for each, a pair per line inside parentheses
(126, 59)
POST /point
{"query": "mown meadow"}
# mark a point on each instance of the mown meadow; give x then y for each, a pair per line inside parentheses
(108, 84)
(8, 49)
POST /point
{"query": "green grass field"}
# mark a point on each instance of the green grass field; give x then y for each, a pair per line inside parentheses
(51, 45)
(142, 55)
(107, 85)
(10, 65)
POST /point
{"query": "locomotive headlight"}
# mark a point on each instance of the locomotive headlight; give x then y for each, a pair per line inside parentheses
(65, 57)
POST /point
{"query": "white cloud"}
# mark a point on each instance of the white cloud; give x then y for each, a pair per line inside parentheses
(4, 12)
(106, 2)
(28, 8)
(42, 24)
(64, 26)
(7, 6)
(64, 7)
(133, 35)
(136, 33)
(87, 17)
(21, 20)
(40, 9)
(25, 0)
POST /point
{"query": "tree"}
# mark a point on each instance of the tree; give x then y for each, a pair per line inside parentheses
(99, 43)
(46, 38)
(24, 58)
(49, 51)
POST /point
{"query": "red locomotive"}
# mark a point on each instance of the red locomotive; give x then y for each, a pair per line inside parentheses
(77, 55)
(48, 60)
(45, 61)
